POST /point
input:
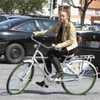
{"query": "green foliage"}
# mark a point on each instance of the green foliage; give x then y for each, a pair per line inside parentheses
(7, 5)
(24, 6)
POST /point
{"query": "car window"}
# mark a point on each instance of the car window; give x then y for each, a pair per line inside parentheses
(28, 26)
(2, 18)
(46, 23)
(8, 23)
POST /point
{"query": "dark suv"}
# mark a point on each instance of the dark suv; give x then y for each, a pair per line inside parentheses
(89, 43)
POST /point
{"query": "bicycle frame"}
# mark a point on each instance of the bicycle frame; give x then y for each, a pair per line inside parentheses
(38, 54)
(34, 60)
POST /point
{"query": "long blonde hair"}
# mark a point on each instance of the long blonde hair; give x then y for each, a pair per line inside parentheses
(67, 27)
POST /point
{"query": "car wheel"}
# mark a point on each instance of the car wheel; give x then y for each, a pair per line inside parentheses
(15, 53)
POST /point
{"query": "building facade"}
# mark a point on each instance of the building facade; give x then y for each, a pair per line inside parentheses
(92, 13)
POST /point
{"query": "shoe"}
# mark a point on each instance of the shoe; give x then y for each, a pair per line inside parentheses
(57, 75)
(42, 84)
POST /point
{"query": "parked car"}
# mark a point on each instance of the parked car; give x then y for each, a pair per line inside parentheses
(77, 26)
(89, 43)
(91, 28)
(7, 17)
(15, 41)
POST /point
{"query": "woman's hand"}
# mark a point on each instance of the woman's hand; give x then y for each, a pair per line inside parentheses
(53, 45)
(58, 46)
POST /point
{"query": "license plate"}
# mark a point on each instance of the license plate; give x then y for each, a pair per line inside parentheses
(94, 44)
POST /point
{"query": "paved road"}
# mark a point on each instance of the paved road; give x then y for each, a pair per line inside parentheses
(33, 92)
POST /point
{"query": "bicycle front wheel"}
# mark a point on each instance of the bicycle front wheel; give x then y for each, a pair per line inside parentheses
(19, 78)
(82, 77)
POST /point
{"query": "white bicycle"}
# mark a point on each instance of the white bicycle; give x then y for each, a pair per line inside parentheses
(79, 74)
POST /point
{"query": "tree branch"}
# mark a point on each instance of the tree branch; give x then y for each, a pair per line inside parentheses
(73, 5)
(89, 1)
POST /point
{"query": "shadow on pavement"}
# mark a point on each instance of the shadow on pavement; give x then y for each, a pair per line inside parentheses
(3, 92)
(59, 93)
(3, 61)
(39, 92)
(42, 92)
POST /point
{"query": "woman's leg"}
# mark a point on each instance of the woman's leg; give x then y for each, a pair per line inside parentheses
(48, 68)
(53, 56)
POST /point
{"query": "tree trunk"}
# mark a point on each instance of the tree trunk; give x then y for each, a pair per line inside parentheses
(83, 13)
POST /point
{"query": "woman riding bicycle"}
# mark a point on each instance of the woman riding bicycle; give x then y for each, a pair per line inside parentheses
(66, 41)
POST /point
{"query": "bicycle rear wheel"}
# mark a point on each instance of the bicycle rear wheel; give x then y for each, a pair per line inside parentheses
(19, 78)
(81, 78)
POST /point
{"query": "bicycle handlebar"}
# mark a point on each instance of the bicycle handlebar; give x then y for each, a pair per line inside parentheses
(41, 44)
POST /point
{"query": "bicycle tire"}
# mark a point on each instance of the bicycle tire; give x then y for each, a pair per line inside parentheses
(86, 79)
(12, 89)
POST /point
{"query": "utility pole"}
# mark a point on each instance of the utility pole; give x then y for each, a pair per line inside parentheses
(62, 2)
(50, 3)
